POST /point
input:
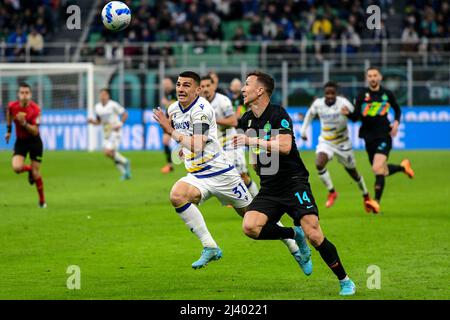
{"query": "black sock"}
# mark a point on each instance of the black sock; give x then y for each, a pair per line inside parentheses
(329, 254)
(394, 168)
(168, 154)
(272, 231)
(379, 186)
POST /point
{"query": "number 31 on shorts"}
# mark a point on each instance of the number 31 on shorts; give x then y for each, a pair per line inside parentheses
(304, 197)
(237, 192)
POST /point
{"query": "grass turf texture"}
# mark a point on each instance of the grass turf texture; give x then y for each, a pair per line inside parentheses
(130, 243)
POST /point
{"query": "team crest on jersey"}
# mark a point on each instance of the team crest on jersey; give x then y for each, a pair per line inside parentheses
(203, 118)
(384, 97)
(285, 124)
(367, 98)
(267, 127)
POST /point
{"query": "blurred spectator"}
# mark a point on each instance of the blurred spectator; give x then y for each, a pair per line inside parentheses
(17, 40)
(353, 40)
(378, 36)
(410, 39)
(256, 28)
(321, 28)
(239, 39)
(35, 42)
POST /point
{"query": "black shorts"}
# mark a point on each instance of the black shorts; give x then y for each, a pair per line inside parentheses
(33, 146)
(379, 145)
(297, 201)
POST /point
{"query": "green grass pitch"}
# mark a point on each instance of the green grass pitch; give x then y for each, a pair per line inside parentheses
(130, 244)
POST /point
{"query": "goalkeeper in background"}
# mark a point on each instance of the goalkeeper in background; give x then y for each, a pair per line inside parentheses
(111, 115)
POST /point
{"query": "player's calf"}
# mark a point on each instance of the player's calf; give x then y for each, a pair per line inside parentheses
(311, 228)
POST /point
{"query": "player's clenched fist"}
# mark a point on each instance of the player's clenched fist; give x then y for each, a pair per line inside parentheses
(7, 137)
(345, 111)
(239, 140)
(21, 118)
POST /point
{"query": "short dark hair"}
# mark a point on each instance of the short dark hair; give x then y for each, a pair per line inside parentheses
(106, 90)
(192, 75)
(207, 77)
(373, 68)
(331, 84)
(265, 79)
(24, 85)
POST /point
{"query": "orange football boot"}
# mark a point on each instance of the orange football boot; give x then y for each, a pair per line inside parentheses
(332, 196)
(406, 164)
(373, 205)
(167, 168)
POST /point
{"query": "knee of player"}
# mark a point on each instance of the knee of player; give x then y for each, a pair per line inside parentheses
(314, 235)
(17, 169)
(378, 169)
(250, 230)
(320, 166)
(177, 199)
(246, 178)
(108, 153)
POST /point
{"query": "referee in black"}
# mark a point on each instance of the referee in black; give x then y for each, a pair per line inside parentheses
(284, 178)
(372, 107)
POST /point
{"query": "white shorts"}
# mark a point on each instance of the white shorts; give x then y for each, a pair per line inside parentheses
(236, 157)
(227, 187)
(112, 142)
(343, 152)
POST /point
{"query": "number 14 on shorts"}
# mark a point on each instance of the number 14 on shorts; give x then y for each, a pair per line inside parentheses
(303, 198)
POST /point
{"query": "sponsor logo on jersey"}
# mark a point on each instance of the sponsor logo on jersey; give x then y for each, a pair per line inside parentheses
(181, 125)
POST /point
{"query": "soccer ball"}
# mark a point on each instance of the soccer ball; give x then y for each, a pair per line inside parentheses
(116, 16)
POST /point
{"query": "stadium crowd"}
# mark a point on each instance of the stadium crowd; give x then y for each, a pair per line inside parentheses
(29, 22)
(34, 21)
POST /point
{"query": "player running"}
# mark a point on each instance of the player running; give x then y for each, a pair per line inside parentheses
(111, 115)
(192, 123)
(284, 178)
(333, 140)
(372, 107)
(26, 115)
(226, 122)
(169, 98)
